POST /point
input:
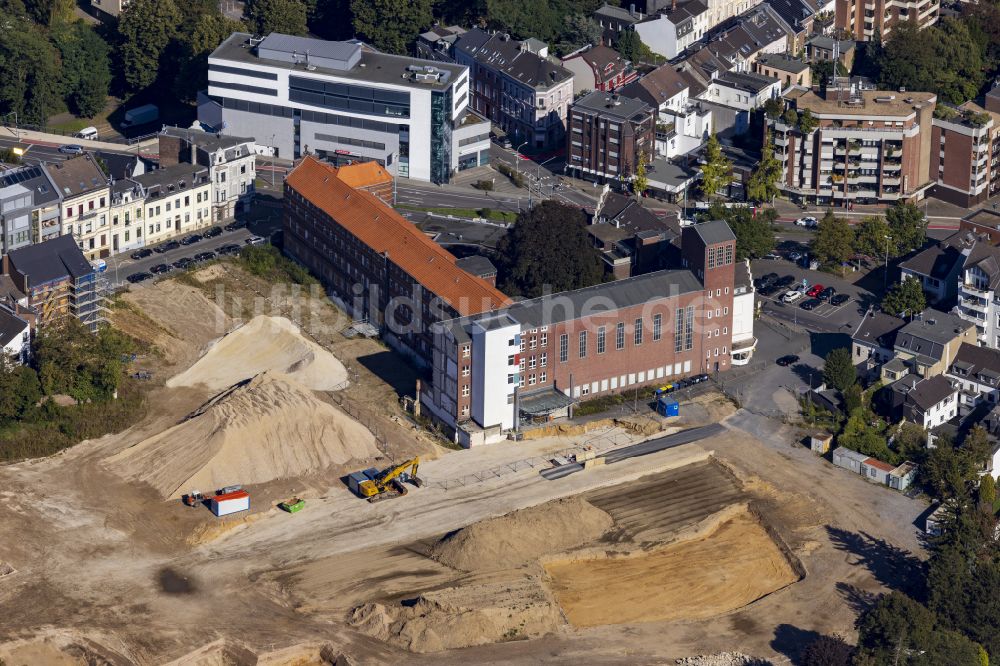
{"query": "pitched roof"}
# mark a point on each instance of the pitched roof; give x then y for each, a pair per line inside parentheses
(878, 328)
(878, 464)
(506, 55)
(975, 360)
(604, 62)
(656, 87)
(50, 260)
(715, 231)
(986, 258)
(929, 392)
(11, 326)
(385, 231)
(783, 62)
(618, 13)
(77, 175)
(937, 261)
(364, 174)
(929, 332)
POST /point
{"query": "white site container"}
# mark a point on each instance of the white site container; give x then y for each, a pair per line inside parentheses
(223, 505)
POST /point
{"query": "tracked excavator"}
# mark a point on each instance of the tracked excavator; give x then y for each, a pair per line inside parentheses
(387, 484)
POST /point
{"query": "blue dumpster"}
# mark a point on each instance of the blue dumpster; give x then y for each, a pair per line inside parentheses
(668, 407)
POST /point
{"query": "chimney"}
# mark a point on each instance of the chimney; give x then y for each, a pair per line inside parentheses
(194, 155)
(673, 6)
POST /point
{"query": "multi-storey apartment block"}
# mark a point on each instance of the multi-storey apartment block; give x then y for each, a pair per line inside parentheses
(178, 200)
(864, 19)
(965, 154)
(607, 134)
(867, 146)
(29, 207)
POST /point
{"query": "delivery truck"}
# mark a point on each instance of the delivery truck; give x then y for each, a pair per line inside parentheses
(141, 115)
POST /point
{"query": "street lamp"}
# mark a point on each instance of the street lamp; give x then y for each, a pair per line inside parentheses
(517, 157)
(885, 272)
(538, 180)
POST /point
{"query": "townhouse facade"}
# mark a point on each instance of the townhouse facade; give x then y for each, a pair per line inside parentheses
(965, 154)
(867, 147)
(177, 201)
(975, 373)
(608, 135)
(683, 123)
(515, 85)
(863, 20)
(598, 68)
(297, 96)
(29, 207)
(85, 194)
(231, 163)
(672, 32)
(978, 292)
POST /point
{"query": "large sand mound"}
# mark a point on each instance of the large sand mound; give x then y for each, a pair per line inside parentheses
(523, 536)
(269, 428)
(262, 344)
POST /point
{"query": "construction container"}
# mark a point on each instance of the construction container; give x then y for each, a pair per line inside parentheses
(355, 479)
(668, 407)
(223, 505)
(293, 505)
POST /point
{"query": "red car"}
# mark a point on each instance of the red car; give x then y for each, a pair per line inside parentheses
(815, 290)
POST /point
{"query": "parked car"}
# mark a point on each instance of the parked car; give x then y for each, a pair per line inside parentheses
(213, 232)
(791, 296)
(204, 256)
(71, 149)
(787, 360)
(231, 248)
(142, 254)
(827, 294)
(139, 277)
(235, 224)
(807, 222)
(254, 240)
(768, 290)
(794, 256)
(191, 240)
(785, 281)
(811, 304)
(183, 262)
(815, 290)
(839, 299)
(166, 247)
(160, 268)
(771, 255)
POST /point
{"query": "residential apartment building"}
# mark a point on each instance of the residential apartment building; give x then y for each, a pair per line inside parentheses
(29, 207)
(85, 193)
(297, 96)
(516, 86)
(731, 96)
(929, 343)
(531, 360)
(683, 123)
(823, 48)
(598, 68)
(631, 238)
(178, 200)
(758, 31)
(378, 266)
(675, 30)
(863, 20)
(57, 280)
(874, 341)
(231, 162)
(127, 203)
(938, 267)
(607, 134)
(965, 154)
(720, 11)
(979, 292)
(929, 402)
(613, 19)
(975, 372)
(868, 147)
(788, 70)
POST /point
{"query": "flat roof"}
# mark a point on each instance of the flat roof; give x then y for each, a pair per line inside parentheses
(895, 103)
(613, 105)
(371, 67)
(783, 62)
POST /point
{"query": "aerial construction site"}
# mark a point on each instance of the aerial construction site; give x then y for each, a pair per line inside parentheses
(720, 539)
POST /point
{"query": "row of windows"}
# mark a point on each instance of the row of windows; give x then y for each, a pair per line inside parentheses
(720, 256)
(244, 88)
(637, 337)
(684, 323)
(271, 76)
(360, 143)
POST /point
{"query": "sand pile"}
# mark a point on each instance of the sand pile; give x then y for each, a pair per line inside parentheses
(522, 536)
(477, 613)
(262, 344)
(269, 428)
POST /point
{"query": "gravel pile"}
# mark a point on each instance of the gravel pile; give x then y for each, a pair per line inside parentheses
(723, 659)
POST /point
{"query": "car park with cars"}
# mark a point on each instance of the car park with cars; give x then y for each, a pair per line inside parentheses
(791, 296)
(815, 290)
(135, 278)
(840, 299)
(811, 304)
(826, 294)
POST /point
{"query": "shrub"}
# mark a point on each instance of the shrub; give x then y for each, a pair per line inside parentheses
(484, 185)
(515, 176)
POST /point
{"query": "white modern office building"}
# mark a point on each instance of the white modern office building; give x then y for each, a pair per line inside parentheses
(343, 102)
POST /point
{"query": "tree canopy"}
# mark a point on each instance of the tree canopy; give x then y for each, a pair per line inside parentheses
(146, 28)
(548, 248)
(944, 58)
(907, 226)
(391, 25)
(834, 240)
(762, 186)
(838, 369)
(906, 296)
(870, 237)
(285, 16)
(717, 171)
(754, 230)
(86, 70)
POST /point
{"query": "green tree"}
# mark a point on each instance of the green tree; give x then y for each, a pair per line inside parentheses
(754, 230)
(859, 435)
(640, 181)
(987, 491)
(911, 442)
(949, 471)
(146, 28)
(838, 370)
(391, 25)
(49, 12)
(30, 79)
(580, 30)
(631, 46)
(86, 69)
(907, 226)
(853, 398)
(773, 108)
(827, 651)
(717, 172)
(945, 59)
(762, 186)
(284, 16)
(870, 236)
(834, 241)
(548, 248)
(19, 391)
(906, 296)
(894, 625)
(807, 122)
(205, 32)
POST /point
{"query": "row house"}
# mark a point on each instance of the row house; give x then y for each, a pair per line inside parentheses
(866, 146)
(674, 31)
(608, 135)
(85, 193)
(975, 372)
(683, 124)
(599, 68)
(516, 86)
(178, 200)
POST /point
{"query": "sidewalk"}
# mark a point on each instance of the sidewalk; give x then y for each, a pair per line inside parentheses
(55, 140)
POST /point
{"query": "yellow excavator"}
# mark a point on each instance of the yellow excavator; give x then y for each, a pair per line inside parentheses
(386, 484)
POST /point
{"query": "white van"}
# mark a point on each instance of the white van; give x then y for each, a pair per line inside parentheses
(89, 133)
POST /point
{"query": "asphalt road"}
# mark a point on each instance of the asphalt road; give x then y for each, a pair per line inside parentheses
(37, 153)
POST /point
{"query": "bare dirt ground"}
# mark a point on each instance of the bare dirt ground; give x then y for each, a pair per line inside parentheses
(104, 569)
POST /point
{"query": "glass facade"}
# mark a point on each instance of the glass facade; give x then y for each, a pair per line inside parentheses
(343, 97)
(441, 136)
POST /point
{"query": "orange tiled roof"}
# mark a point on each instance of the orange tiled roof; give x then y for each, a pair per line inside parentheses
(384, 230)
(363, 174)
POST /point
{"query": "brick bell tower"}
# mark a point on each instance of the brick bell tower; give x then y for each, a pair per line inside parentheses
(709, 251)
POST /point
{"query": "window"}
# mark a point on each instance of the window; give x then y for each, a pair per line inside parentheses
(689, 328)
(657, 327)
(545, 339)
(583, 344)
(601, 335)
(532, 363)
(637, 331)
(466, 350)
(563, 348)
(465, 371)
(620, 336)
(678, 329)
(531, 380)
(465, 390)
(543, 377)
(544, 360)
